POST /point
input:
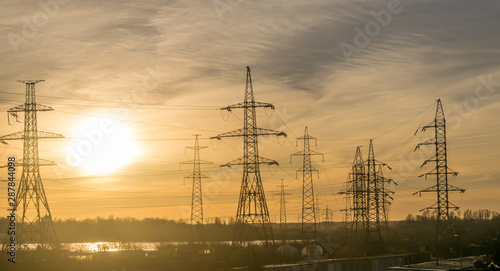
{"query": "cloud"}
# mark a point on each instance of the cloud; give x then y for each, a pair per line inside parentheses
(94, 50)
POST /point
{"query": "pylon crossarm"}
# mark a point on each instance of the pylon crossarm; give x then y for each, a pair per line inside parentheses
(453, 206)
(31, 81)
(430, 125)
(387, 180)
(248, 105)
(454, 188)
(383, 164)
(190, 162)
(267, 161)
(41, 162)
(299, 153)
(14, 136)
(258, 132)
(240, 161)
(196, 147)
(235, 133)
(427, 142)
(192, 176)
(302, 169)
(430, 189)
(427, 161)
(302, 153)
(20, 135)
(268, 132)
(452, 172)
(311, 152)
(432, 207)
(23, 108)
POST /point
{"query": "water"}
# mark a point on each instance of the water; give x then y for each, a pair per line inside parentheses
(91, 247)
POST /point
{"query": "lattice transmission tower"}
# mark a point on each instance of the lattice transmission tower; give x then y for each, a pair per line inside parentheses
(252, 216)
(197, 195)
(356, 208)
(367, 198)
(441, 170)
(376, 200)
(283, 223)
(35, 225)
(328, 218)
(309, 229)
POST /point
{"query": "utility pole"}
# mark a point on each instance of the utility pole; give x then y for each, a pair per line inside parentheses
(197, 195)
(309, 230)
(252, 216)
(441, 170)
(36, 225)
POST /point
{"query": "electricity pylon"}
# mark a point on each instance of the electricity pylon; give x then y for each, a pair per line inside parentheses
(309, 230)
(442, 188)
(35, 225)
(197, 195)
(386, 198)
(370, 197)
(376, 200)
(283, 223)
(355, 191)
(328, 217)
(252, 215)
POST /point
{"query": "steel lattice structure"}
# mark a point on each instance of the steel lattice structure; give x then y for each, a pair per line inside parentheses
(283, 223)
(35, 225)
(367, 198)
(355, 192)
(197, 195)
(376, 199)
(252, 215)
(308, 205)
(442, 188)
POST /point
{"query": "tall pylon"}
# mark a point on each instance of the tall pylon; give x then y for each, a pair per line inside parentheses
(197, 195)
(252, 216)
(35, 225)
(309, 230)
(441, 170)
(356, 197)
(376, 200)
(385, 195)
(367, 198)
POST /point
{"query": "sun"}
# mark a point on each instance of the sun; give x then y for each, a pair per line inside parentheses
(102, 146)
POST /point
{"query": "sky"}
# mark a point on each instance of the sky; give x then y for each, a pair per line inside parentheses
(131, 82)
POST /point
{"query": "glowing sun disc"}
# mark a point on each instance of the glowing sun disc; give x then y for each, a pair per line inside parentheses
(102, 146)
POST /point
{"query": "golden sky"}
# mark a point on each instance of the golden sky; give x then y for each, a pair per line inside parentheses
(158, 71)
